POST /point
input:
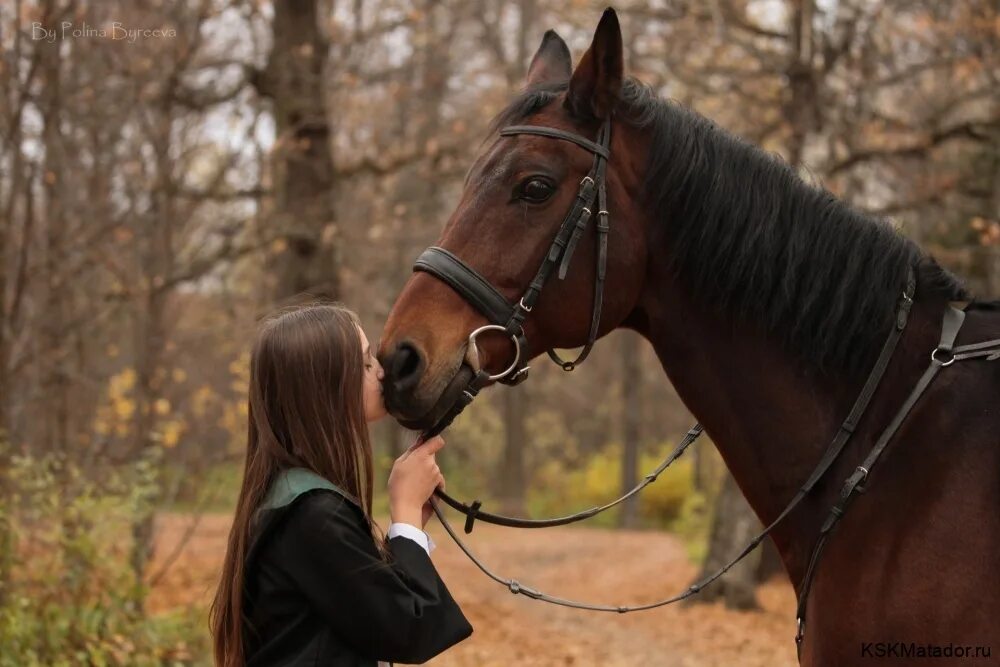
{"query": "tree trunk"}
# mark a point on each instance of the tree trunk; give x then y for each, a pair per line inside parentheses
(770, 564)
(513, 478)
(733, 526)
(800, 109)
(512, 474)
(55, 384)
(306, 261)
(6, 493)
(631, 378)
(6, 530)
(699, 472)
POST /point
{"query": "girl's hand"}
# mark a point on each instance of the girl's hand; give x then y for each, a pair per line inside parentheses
(413, 478)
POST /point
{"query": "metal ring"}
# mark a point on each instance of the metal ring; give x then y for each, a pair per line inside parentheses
(938, 361)
(517, 348)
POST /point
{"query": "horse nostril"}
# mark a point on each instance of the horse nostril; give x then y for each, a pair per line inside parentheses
(407, 367)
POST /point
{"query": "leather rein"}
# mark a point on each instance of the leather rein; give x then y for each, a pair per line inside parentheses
(508, 318)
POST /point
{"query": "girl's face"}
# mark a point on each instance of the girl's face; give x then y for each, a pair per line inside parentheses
(374, 407)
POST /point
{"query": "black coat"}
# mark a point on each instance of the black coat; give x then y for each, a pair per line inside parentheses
(317, 592)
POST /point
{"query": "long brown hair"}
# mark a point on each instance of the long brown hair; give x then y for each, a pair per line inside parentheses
(305, 409)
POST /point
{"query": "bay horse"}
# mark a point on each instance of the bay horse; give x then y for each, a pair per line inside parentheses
(766, 300)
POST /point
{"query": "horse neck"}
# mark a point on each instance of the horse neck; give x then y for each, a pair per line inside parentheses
(769, 418)
(770, 414)
(756, 401)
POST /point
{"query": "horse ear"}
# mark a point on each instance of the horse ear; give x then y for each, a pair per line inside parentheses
(552, 62)
(596, 83)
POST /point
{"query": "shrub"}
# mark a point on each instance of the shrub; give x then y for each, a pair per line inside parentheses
(73, 598)
(662, 504)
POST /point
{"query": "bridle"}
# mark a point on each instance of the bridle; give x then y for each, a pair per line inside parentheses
(509, 319)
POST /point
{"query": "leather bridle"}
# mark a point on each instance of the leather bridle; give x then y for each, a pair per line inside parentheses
(509, 318)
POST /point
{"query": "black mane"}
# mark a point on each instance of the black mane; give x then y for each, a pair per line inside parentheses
(747, 234)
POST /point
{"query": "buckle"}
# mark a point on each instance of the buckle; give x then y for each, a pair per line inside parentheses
(517, 378)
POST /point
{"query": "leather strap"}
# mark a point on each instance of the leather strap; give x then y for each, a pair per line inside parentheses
(989, 349)
(445, 266)
(854, 484)
(874, 378)
(480, 380)
(598, 175)
(473, 512)
(602, 261)
(596, 149)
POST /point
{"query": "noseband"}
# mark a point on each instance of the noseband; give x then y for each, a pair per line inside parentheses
(507, 317)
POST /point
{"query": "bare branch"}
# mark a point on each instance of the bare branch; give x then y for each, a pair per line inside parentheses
(970, 130)
(371, 166)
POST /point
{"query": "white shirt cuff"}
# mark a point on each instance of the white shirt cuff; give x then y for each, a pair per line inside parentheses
(412, 532)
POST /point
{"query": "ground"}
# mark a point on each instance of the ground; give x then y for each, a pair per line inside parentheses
(594, 565)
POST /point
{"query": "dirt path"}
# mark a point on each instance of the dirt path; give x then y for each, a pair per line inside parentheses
(603, 566)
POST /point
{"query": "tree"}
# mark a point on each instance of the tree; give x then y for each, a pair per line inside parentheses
(631, 396)
(305, 257)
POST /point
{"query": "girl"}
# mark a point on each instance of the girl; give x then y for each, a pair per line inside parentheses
(308, 577)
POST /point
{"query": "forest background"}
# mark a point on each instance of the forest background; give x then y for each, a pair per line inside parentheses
(165, 187)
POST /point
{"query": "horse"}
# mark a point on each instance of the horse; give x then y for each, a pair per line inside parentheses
(766, 300)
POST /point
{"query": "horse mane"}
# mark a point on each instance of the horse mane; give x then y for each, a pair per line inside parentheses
(746, 234)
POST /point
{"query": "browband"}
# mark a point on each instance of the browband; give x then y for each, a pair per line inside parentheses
(557, 134)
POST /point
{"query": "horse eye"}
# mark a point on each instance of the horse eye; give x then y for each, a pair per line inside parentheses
(536, 190)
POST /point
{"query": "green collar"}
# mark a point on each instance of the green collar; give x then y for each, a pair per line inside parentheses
(293, 482)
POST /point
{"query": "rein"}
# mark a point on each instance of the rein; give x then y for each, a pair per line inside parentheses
(844, 433)
(509, 318)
